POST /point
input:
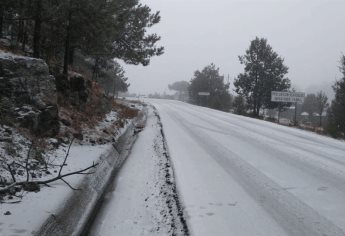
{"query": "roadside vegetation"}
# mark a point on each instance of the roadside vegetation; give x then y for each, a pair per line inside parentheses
(265, 71)
(60, 73)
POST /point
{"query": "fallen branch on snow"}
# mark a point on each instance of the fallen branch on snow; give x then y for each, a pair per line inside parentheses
(60, 176)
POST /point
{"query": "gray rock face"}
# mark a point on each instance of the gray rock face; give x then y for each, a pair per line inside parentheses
(75, 89)
(25, 83)
(79, 91)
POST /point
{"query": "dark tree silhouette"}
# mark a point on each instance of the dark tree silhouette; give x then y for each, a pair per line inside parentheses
(264, 71)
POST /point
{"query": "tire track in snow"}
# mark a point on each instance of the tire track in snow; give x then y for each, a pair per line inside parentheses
(270, 126)
(250, 126)
(293, 215)
(179, 224)
(304, 162)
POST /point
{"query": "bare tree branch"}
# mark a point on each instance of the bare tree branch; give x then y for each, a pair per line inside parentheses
(60, 176)
(80, 172)
(45, 182)
(64, 161)
(69, 185)
(11, 172)
(27, 162)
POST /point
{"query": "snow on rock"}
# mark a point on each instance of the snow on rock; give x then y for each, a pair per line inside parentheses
(28, 94)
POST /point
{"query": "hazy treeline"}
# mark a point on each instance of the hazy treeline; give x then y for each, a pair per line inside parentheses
(264, 71)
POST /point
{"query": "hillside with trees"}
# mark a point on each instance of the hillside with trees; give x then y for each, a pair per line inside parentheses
(81, 37)
(103, 30)
(59, 75)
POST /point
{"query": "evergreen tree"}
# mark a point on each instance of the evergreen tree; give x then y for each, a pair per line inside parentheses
(321, 104)
(239, 105)
(310, 104)
(336, 113)
(181, 87)
(209, 80)
(117, 81)
(102, 29)
(264, 71)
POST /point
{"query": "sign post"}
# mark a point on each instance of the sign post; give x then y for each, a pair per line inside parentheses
(290, 97)
(206, 94)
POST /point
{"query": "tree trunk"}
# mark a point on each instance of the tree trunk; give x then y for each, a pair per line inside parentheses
(1, 19)
(20, 23)
(71, 56)
(278, 115)
(37, 29)
(25, 37)
(320, 118)
(114, 88)
(258, 111)
(254, 107)
(67, 44)
(95, 69)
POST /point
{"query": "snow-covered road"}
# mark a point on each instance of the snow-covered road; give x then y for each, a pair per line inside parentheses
(241, 176)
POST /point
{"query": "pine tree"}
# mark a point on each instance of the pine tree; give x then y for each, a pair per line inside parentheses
(181, 87)
(209, 80)
(102, 29)
(310, 104)
(239, 105)
(321, 104)
(264, 71)
(336, 113)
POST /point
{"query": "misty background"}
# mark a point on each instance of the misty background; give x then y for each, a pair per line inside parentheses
(308, 34)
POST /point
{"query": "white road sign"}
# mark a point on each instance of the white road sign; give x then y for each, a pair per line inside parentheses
(287, 96)
(204, 93)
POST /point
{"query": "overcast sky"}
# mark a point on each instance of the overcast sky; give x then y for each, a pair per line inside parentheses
(308, 34)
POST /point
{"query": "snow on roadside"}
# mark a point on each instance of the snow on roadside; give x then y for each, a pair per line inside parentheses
(143, 200)
(34, 208)
(8, 55)
(25, 212)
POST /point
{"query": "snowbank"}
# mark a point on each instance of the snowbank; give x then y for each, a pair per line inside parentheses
(77, 211)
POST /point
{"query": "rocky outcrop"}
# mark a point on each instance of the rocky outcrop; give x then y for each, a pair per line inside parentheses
(75, 89)
(28, 94)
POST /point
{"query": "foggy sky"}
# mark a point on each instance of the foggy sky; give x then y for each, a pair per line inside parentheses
(308, 34)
